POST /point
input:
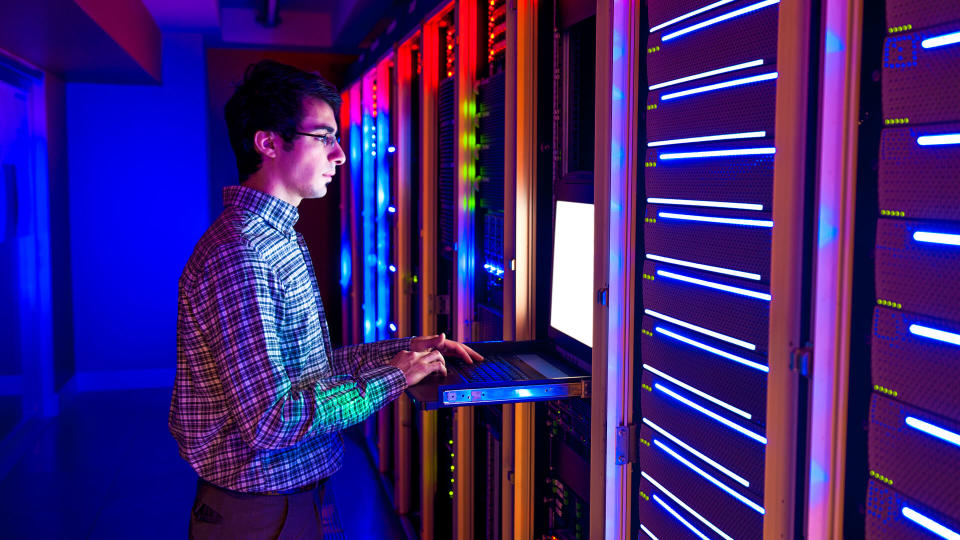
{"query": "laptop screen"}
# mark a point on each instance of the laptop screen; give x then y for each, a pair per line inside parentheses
(571, 298)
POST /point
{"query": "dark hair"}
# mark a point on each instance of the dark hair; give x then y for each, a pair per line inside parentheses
(270, 98)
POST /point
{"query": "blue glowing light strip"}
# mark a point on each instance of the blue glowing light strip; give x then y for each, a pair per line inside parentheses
(929, 524)
(707, 138)
(718, 352)
(937, 140)
(935, 431)
(646, 530)
(706, 267)
(940, 41)
(720, 86)
(717, 286)
(725, 421)
(705, 74)
(721, 153)
(739, 479)
(701, 393)
(709, 478)
(937, 238)
(683, 505)
(686, 16)
(702, 330)
(719, 19)
(708, 204)
(679, 518)
(933, 333)
(721, 220)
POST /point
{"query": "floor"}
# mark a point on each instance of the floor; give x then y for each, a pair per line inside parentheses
(107, 467)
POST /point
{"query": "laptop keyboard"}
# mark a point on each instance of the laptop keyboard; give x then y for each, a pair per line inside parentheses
(490, 369)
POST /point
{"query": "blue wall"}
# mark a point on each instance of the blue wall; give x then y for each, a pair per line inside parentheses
(138, 204)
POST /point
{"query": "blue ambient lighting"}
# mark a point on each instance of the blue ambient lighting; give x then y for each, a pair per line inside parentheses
(707, 138)
(720, 86)
(759, 509)
(493, 270)
(705, 74)
(679, 518)
(937, 140)
(721, 220)
(933, 333)
(940, 41)
(929, 524)
(725, 421)
(937, 238)
(717, 286)
(646, 530)
(719, 19)
(686, 16)
(391, 149)
(684, 505)
(718, 352)
(699, 392)
(739, 479)
(721, 153)
(707, 267)
(702, 330)
(709, 204)
(935, 431)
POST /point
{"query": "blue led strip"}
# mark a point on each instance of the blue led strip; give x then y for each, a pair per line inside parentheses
(719, 19)
(713, 350)
(707, 412)
(929, 524)
(701, 393)
(717, 286)
(766, 151)
(686, 16)
(937, 238)
(705, 74)
(720, 86)
(933, 430)
(708, 204)
(720, 220)
(705, 267)
(932, 333)
(679, 518)
(708, 138)
(940, 41)
(684, 505)
(756, 507)
(702, 330)
(646, 530)
(938, 140)
(734, 476)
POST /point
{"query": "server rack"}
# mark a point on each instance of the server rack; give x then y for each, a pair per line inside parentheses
(913, 434)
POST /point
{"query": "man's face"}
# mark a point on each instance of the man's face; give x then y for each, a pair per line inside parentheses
(309, 164)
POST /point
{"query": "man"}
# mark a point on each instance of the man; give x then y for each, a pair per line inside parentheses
(260, 395)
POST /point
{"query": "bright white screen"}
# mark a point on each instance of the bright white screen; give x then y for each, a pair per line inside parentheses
(571, 310)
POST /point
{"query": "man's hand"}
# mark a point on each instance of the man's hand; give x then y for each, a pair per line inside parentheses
(417, 365)
(447, 347)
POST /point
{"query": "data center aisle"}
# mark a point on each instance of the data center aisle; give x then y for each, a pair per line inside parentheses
(108, 468)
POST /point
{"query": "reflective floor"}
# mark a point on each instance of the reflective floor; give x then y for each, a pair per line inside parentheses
(108, 468)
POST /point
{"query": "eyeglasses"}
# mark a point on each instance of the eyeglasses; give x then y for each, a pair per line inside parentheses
(327, 140)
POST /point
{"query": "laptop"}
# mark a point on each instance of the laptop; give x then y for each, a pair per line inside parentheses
(516, 372)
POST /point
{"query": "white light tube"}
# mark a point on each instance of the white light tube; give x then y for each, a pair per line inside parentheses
(679, 518)
(933, 333)
(684, 505)
(705, 74)
(721, 220)
(929, 524)
(759, 509)
(937, 140)
(701, 393)
(718, 352)
(937, 238)
(708, 204)
(719, 86)
(935, 431)
(721, 153)
(940, 41)
(693, 13)
(646, 530)
(702, 330)
(736, 477)
(725, 421)
(719, 19)
(717, 286)
(707, 138)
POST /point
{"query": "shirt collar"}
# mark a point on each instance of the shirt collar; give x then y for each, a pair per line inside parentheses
(280, 214)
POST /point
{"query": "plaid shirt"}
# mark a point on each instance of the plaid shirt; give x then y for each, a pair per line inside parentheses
(260, 395)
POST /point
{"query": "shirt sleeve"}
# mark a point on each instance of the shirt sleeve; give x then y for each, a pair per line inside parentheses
(244, 302)
(356, 359)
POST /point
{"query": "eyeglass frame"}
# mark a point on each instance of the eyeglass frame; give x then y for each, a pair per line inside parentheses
(321, 137)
